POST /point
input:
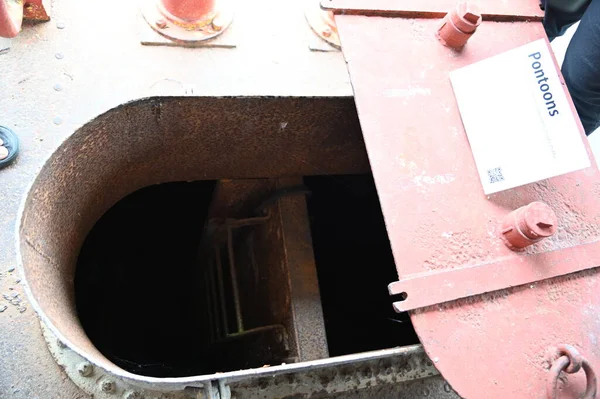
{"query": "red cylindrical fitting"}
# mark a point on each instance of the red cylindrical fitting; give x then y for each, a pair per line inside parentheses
(528, 225)
(11, 17)
(188, 10)
(459, 25)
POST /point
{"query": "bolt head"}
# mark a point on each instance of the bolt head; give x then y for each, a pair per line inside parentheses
(540, 220)
(85, 369)
(469, 12)
(327, 32)
(161, 23)
(107, 386)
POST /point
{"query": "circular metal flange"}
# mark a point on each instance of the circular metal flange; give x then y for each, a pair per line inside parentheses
(100, 383)
(190, 31)
(322, 23)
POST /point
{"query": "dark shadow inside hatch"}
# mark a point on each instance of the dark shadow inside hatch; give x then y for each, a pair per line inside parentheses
(354, 265)
(136, 285)
(139, 291)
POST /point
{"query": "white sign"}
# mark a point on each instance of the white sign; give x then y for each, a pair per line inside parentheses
(517, 117)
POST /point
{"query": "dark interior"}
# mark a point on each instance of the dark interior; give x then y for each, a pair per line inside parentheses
(354, 264)
(141, 299)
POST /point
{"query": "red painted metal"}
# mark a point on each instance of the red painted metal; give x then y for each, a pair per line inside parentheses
(189, 10)
(570, 361)
(528, 225)
(459, 25)
(11, 17)
(428, 288)
(440, 223)
(188, 20)
(515, 10)
(14, 12)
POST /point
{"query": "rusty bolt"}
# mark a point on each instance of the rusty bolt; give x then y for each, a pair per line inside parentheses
(528, 225)
(107, 386)
(161, 23)
(459, 25)
(85, 369)
(327, 32)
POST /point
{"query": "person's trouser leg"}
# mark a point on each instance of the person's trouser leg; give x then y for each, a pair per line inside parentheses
(557, 22)
(581, 68)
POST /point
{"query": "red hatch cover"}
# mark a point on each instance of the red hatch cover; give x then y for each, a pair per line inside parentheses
(491, 319)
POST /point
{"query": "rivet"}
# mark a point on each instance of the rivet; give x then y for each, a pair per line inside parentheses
(85, 369)
(107, 386)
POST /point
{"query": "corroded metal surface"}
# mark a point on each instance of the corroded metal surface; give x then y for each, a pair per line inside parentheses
(158, 141)
(570, 361)
(516, 10)
(389, 374)
(274, 262)
(63, 64)
(36, 10)
(439, 220)
(305, 299)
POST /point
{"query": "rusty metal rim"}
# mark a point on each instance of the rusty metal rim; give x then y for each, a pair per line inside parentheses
(181, 383)
(169, 383)
(393, 359)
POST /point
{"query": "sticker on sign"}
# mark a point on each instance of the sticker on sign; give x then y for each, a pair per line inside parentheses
(518, 119)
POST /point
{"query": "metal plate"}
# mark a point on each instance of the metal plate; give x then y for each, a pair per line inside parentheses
(438, 218)
(491, 9)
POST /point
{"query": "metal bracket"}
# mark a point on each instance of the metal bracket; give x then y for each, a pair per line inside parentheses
(421, 290)
(513, 10)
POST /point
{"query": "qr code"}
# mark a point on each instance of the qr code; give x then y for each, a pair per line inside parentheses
(495, 175)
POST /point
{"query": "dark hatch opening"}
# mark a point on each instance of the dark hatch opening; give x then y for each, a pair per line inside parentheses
(140, 294)
(136, 286)
(354, 264)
